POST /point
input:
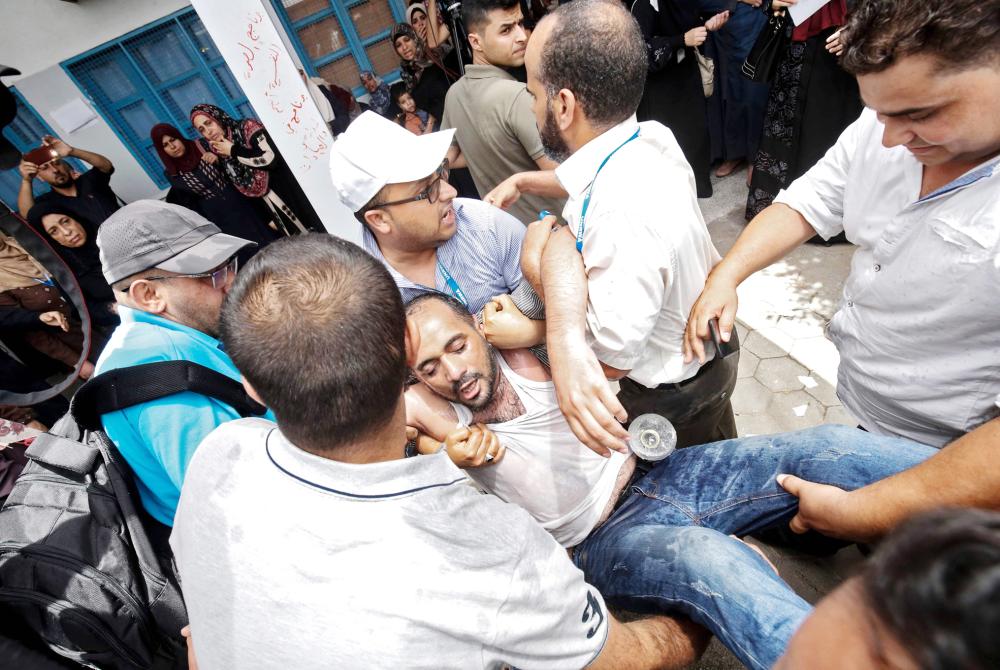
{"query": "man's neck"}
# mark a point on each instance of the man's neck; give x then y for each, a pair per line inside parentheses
(505, 405)
(69, 191)
(937, 176)
(417, 266)
(387, 444)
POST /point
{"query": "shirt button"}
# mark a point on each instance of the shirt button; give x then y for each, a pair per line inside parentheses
(850, 303)
(46, 290)
(878, 267)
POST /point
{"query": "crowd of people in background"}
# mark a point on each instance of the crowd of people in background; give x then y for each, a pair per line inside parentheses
(534, 273)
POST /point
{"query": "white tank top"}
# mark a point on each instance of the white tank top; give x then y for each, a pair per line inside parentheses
(547, 471)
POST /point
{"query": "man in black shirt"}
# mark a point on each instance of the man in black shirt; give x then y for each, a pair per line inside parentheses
(90, 194)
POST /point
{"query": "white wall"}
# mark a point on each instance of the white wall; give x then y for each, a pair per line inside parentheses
(38, 34)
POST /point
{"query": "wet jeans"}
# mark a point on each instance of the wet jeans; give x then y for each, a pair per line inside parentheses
(667, 546)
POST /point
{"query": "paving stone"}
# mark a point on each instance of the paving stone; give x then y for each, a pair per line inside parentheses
(759, 342)
(750, 397)
(741, 331)
(802, 325)
(839, 414)
(748, 364)
(817, 353)
(748, 425)
(824, 391)
(780, 374)
(783, 410)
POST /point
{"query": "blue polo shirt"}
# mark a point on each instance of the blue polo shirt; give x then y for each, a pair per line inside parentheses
(158, 438)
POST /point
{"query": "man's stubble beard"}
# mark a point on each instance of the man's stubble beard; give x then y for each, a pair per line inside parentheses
(553, 144)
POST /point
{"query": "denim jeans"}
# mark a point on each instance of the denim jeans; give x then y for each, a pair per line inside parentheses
(667, 548)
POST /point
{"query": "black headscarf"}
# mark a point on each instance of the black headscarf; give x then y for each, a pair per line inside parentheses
(85, 260)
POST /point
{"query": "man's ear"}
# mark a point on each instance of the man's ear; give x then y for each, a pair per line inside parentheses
(475, 42)
(411, 342)
(251, 391)
(565, 108)
(378, 221)
(148, 296)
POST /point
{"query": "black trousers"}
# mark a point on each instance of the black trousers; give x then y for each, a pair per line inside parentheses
(700, 408)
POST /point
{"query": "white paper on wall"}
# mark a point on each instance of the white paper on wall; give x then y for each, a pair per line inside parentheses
(74, 115)
(252, 48)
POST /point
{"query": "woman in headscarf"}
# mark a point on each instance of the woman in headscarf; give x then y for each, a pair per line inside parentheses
(198, 183)
(425, 20)
(424, 72)
(75, 240)
(251, 162)
(673, 30)
(812, 101)
(378, 93)
(34, 315)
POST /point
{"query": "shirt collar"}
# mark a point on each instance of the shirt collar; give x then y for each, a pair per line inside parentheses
(578, 171)
(984, 171)
(369, 481)
(487, 71)
(371, 246)
(130, 315)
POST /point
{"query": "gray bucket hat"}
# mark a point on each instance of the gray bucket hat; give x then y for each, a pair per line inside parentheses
(154, 234)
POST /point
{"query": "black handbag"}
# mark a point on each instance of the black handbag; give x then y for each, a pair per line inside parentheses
(761, 63)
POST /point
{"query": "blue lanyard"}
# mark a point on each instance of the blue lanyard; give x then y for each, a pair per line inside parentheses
(586, 199)
(453, 286)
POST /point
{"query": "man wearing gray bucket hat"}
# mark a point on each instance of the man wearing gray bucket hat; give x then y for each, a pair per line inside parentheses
(170, 269)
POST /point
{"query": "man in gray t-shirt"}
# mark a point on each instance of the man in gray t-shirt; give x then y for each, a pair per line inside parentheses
(313, 542)
(495, 131)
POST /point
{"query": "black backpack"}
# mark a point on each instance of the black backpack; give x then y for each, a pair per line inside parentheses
(83, 567)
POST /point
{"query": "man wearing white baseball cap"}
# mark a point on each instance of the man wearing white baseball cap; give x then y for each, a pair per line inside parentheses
(396, 183)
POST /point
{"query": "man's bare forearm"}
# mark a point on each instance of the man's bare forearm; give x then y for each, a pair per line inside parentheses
(656, 642)
(962, 474)
(97, 160)
(25, 198)
(768, 238)
(564, 286)
(541, 182)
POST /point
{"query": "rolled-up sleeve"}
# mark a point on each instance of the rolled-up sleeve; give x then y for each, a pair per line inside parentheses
(818, 195)
(625, 289)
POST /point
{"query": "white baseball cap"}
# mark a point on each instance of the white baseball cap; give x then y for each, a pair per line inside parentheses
(375, 151)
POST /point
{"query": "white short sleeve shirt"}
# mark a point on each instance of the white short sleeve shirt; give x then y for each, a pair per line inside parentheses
(290, 560)
(918, 328)
(646, 249)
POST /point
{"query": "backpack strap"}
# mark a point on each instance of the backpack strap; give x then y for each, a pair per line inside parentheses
(125, 387)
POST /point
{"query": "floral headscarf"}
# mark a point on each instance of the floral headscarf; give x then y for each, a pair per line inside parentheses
(249, 181)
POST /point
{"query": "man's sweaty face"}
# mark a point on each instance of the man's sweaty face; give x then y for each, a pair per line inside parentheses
(453, 359)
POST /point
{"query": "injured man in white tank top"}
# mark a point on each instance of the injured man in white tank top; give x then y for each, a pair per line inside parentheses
(468, 389)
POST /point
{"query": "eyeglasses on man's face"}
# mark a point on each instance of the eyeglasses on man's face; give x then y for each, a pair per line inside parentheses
(218, 277)
(430, 194)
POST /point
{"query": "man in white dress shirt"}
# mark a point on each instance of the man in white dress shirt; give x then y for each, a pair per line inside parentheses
(623, 288)
(915, 183)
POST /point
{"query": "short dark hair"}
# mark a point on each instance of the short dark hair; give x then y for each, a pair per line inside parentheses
(475, 13)
(960, 34)
(454, 304)
(935, 586)
(316, 326)
(397, 90)
(594, 43)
